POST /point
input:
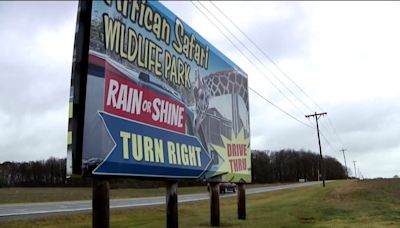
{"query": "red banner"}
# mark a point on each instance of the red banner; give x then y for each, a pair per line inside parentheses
(130, 100)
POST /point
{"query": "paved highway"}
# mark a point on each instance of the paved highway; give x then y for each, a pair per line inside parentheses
(8, 211)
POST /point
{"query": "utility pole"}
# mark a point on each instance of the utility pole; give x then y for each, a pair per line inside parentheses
(347, 174)
(321, 165)
(355, 170)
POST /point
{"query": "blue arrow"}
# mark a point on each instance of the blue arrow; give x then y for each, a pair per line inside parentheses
(148, 151)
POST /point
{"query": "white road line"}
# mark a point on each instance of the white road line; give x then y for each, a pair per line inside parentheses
(158, 201)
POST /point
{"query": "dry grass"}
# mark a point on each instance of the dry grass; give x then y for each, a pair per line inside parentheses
(374, 203)
(54, 194)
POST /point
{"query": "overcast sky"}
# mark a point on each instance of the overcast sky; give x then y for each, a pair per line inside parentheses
(343, 55)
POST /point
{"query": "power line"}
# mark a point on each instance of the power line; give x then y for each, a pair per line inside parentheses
(355, 170)
(321, 163)
(267, 56)
(345, 163)
(280, 109)
(326, 139)
(328, 142)
(278, 67)
(334, 130)
(254, 56)
(331, 131)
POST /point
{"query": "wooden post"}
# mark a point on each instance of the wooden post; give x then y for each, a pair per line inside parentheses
(214, 203)
(100, 203)
(172, 204)
(241, 201)
(321, 159)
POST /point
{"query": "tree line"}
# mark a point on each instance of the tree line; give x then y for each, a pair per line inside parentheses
(289, 165)
(50, 172)
(267, 167)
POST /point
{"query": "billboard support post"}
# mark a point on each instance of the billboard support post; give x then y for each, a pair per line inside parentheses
(214, 203)
(172, 204)
(241, 201)
(100, 203)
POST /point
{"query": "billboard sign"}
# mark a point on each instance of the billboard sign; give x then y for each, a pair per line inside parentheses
(151, 98)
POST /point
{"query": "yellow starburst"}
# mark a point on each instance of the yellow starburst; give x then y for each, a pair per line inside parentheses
(236, 158)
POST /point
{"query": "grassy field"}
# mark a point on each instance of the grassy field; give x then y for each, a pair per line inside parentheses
(31, 195)
(373, 203)
(37, 194)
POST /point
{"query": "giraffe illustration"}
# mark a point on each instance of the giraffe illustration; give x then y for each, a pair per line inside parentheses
(229, 82)
(202, 97)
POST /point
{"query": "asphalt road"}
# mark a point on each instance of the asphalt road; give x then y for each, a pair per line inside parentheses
(22, 210)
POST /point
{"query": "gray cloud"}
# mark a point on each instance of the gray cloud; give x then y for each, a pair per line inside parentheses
(284, 36)
(35, 72)
(370, 125)
(28, 16)
(37, 40)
